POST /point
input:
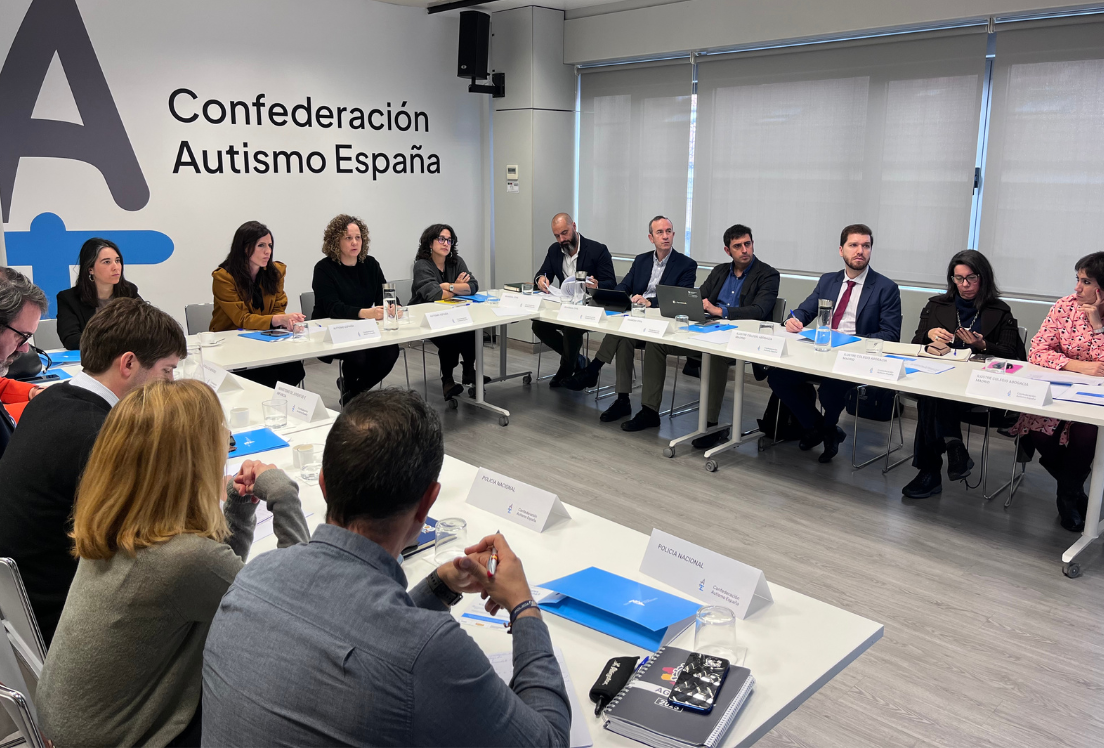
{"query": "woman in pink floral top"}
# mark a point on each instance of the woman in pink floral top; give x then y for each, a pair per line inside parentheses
(1071, 339)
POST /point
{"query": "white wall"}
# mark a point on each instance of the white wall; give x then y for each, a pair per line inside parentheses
(711, 24)
(351, 53)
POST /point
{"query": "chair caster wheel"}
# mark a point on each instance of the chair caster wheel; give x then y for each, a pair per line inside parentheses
(1071, 570)
(527, 379)
(471, 392)
(668, 451)
(453, 404)
(504, 420)
(711, 465)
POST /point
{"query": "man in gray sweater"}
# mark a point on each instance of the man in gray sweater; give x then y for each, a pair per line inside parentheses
(321, 644)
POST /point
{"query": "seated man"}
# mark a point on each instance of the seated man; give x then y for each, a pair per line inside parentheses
(664, 266)
(22, 303)
(746, 288)
(570, 253)
(867, 305)
(349, 656)
(125, 344)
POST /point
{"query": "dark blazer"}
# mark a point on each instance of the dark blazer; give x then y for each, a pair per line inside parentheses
(757, 295)
(680, 271)
(73, 315)
(594, 259)
(879, 312)
(995, 323)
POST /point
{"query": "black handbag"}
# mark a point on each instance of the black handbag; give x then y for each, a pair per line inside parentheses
(875, 403)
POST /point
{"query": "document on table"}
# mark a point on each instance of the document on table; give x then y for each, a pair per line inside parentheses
(913, 365)
(720, 337)
(1054, 376)
(1088, 394)
(503, 664)
(264, 526)
(476, 614)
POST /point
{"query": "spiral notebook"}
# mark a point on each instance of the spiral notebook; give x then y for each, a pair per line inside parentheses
(641, 712)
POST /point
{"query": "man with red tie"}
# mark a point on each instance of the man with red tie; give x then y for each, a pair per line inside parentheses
(866, 304)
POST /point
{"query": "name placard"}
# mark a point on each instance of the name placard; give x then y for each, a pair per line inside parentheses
(352, 331)
(1015, 390)
(577, 313)
(753, 342)
(515, 501)
(219, 378)
(447, 318)
(705, 575)
(528, 302)
(644, 326)
(302, 404)
(862, 365)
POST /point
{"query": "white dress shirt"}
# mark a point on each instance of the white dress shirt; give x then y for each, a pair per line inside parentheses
(847, 322)
(85, 382)
(658, 267)
(570, 261)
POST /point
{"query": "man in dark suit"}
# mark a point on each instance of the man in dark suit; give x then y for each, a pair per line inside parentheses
(867, 304)
(22, 303)
(569, 254)
(663, 266)
(746, 288)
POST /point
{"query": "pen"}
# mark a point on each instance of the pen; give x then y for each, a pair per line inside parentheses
(492, 565)
(642, 663)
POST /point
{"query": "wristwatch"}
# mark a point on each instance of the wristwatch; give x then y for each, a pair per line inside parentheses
(1098, 330)
(451, 289)
(441, 590)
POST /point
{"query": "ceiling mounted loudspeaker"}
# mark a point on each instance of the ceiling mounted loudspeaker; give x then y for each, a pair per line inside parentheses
(473, 53)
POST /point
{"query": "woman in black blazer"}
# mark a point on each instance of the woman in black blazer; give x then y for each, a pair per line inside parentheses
(99, 280)
(970, 315)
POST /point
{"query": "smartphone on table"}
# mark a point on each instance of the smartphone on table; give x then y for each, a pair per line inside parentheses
(699, 682)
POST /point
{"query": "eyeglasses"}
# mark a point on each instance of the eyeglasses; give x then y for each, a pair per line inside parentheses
(971, 279)
(23, 336)
(446, 240)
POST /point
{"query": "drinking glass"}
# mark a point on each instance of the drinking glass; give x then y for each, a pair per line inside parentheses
(822, 342)
(192, 365)
(239, 418)
(310, 459)
(766, 328)
(451, 540)
(638, 308)
(527, 289)
(874, 346)
(682, 323)
(580, 291)
(404, 315)
(715, 631)
(275, 413)
(300, 332)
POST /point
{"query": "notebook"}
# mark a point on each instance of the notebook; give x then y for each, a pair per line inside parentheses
(426, 538)
(641, 711)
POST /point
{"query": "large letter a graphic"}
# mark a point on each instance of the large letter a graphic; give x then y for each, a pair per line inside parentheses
(56, 26)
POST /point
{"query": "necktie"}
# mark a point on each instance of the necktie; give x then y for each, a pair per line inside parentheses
(842, 306)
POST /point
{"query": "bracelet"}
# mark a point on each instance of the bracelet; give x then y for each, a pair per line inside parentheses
(519, 608)
(1098, 331)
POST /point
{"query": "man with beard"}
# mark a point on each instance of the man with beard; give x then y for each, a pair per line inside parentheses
(867, 304)
(570, 253)
(22, 303)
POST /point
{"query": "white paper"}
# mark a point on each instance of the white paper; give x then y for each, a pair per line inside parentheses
(476, 615)
(1060, 377)
(1010, 389)
(515, 501)
(925, 365)
(264, 526)
(352, 331)
(1079, 393)
(503, 664)
(644, 326)
(862, 365)
(904, 349)
(302, 405)
(753, 342)
(578, 313)
(219, 378)
(460, 315)
(719, 337)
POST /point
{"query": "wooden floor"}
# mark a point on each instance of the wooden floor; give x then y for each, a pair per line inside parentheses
(986, 642)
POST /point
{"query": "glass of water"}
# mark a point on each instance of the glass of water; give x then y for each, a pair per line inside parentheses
(682, 323)
(874, 346)
(715, 631)
(451, 540)
(310, 460)
(404, 315)
(300, 332)
(638, 308)
(275, 413)
(766, 328)
(527, 289)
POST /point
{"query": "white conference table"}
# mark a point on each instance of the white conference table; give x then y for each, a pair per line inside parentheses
(800, 355)
(795, 645)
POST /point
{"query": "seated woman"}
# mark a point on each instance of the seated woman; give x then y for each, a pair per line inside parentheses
(99, 280)
(249, 295)
(156, 556)
(1071, 339)
(441, 273)
(348, 284)
(970, 315)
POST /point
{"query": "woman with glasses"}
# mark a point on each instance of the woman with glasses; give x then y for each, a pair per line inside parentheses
(969, 315)
(99, 280)
(1071, 339)
(441, 273)
(348, 284)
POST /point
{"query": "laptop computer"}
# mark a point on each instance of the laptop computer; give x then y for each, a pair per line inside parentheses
(611, 299)
(676, 300)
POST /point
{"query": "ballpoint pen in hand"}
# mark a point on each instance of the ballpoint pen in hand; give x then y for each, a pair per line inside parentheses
(492, 564)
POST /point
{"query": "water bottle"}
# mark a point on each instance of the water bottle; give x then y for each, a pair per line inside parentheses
(579, 291)
(390, 307)
(822, 342)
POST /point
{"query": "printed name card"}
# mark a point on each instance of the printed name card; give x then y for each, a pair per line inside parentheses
(515, 501)
(1015, 390)
(578, 313)
(862, 365)
(460, 315)
(705, 575)
(512, 299)
(219, 378)
(352, 331)
(753, 342)
(303, 405)
(644, 326)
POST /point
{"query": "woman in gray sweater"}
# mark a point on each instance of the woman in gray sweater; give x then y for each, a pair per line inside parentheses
(156, 556)
(441, 273)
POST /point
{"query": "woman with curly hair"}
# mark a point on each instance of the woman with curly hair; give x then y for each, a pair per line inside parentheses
(440, 273)
(348, 284)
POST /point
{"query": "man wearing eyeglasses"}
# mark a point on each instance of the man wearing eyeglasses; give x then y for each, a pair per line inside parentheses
(22, 303)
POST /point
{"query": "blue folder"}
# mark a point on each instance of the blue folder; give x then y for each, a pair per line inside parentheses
(478, 298)
(711, 328)
(62, 357)
(838, 338)
(257, 440)
(620, 607)
(264, 338)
